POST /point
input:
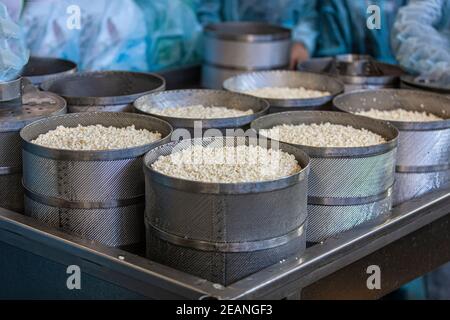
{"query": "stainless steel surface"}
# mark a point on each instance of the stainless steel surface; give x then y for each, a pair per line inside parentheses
(207, 98)
(40, 69)
(423, 160)
(291, 79)
(247, 45)
(10, 90)
(345, 180)
(415, 82)
(14, 115)
(213, 77)
(212, 213)
(97, 195)
(113, 91)
(356, 72)
(398, 245)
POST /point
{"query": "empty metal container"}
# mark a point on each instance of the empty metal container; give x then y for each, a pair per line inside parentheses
(207, 98)
(348, 187)
(30, 105)
(423, 163)
(40, 69)
(356, 71)
(113, 91)
(224, 232)
(232, 48)
(97, 195)
(290, 79)
(421, 83)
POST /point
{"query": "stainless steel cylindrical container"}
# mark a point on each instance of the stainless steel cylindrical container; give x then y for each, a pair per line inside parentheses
(356, 71)
(41, 69)
(30, 105)
(232, 48)
(97, 195)
(113, 91)
(224, 232)
(290, 79)
(207, 98)
(348, 187)
(423, 163)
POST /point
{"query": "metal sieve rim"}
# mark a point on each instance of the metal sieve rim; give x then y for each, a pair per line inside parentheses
(260, 106)
(334, 86)
(382, 128)
(111, 100)
(244, 31)
(340, 103)
(227, 188)
(33, 130)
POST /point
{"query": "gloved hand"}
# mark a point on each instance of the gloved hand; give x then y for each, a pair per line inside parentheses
(13, 53)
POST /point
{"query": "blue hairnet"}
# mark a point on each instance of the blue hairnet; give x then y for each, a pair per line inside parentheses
(13, 53)
(109, 35)
(421, 38)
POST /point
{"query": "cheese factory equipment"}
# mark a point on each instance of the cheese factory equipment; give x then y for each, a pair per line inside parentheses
(423, 163)
(232, 48)
(41, 69)
(348, 187)
(223, 232)
(19, 107)
(97, 195)
(104, 90)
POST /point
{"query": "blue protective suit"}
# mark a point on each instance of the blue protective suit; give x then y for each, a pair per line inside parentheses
(97, 35)
(173, 32)
(343, 28)
(13, 52)
(421, 38)
(299, 15)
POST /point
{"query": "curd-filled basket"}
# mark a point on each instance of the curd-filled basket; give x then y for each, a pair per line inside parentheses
(288, 79)
(423, 163)
(348, 187)
(97, 195)
(223, 232)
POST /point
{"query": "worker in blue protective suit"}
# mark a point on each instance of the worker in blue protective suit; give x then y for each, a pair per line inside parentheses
(13, 52)
(97, 35)
(344, 27)
(298, 15)
(173, 33)
(421, 38)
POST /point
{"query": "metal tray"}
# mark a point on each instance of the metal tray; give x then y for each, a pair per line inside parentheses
(333, 269)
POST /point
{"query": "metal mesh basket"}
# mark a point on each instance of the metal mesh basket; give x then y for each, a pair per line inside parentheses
(429, 142)
(112, 91)
(232, 230)
(207, 98)
(32, 106)
(345, 184)
(291, 79)
(98, 195)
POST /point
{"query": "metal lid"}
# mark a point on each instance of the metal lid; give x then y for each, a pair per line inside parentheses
(40, 69)
(115, 119)
(291, 79)
(423, 84)
(355, 69)
(389, 99)
(10, 90)
(207, 98)
(104, 87)
(247, 31)
(224, 188)
(387, 131)
(35, 105)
